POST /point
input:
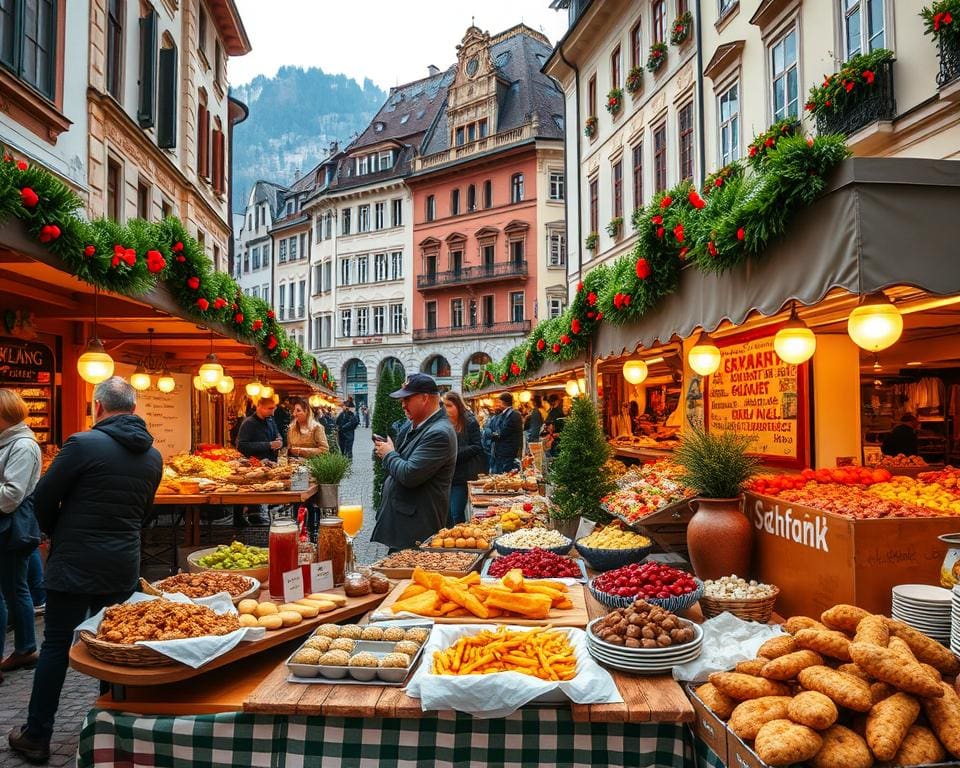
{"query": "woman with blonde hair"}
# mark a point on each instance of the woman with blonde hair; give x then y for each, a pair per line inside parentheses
(471, 458)
(305, 437)
(19, 473)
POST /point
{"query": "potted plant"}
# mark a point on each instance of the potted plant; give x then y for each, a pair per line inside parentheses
(578, 477)
(590, 127)
(327, 470)
(634, 80)
(591, 241)
(681, 28)
(615, 227)
(715, 468)
(615, 101)
(658, 55)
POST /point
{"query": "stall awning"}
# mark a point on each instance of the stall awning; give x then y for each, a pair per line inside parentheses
(549, 369)
(882, 222)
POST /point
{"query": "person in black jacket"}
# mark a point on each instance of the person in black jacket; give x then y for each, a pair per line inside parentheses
(471, 458)
(91, 502)
(347, 423)
(507, 435)
(258, 436)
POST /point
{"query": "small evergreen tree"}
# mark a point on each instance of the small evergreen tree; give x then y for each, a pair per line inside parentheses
(386, 410)
(577, 474)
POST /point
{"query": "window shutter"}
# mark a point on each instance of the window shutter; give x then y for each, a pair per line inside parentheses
(217, 177)
(203, 142)
(167, 99)
(147, 104)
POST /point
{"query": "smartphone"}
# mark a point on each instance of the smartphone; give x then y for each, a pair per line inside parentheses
(379, 439)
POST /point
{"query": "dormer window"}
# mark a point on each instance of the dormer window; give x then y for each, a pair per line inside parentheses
(362, 166)
(386, 160)
(378, 126)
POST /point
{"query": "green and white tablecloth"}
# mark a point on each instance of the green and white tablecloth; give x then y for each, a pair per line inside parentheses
(705, 757)
(529, 737)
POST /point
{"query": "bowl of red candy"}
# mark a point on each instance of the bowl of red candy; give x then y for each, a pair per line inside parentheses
(536, 564)
(654, 582)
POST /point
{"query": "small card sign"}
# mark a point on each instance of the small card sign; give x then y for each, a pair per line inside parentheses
(321, 575)
(293, 586)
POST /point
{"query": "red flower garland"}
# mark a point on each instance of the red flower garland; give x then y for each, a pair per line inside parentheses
(48, 232)
(695, 200)
(28, 197)
(541, 345)
(203, 304)
(643, 268)
(193, 283)
(257, 324)
(155, 261)
(575, 326)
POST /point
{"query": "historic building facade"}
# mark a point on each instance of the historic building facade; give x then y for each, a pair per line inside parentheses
(253, 258)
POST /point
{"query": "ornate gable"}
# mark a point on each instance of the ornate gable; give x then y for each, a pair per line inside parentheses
(472, 98)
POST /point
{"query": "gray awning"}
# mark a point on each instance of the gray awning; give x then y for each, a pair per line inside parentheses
(548, 369)
(882, 222)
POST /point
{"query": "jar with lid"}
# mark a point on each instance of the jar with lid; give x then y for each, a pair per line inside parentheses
(332, 546)
(282, 544)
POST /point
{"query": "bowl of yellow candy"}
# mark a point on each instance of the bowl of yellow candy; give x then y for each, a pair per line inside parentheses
(612, 547)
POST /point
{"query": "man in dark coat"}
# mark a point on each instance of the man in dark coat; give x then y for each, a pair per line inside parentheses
(91, 502)
(347, 423)
(507, 435)
(416, 492)
(258, 435)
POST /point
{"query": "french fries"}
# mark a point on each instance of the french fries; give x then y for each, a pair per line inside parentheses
(432, 594)
(540, 652)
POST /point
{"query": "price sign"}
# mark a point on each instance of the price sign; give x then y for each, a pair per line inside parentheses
(293, 586)
(321, 575)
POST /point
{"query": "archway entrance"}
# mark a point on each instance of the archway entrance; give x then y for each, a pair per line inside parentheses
(438, 367)
(355, 381)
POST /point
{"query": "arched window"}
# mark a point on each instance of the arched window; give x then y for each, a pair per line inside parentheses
(516, 188)
(488, 194)
(471, 198)
(203, 135)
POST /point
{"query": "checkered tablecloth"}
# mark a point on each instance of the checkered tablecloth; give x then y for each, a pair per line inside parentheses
(705, 757)
(528, 737)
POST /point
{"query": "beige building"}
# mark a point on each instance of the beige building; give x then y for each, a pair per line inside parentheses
(159, 114)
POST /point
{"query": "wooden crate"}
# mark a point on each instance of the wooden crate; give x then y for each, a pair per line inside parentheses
(668, 527)
(819, 559)
(707, 726)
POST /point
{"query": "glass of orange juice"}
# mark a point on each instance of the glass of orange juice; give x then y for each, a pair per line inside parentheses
(352, 516)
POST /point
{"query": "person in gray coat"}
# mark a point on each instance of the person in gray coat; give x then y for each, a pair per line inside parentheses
(416, 492)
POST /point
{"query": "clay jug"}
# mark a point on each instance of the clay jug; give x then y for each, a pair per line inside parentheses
(719, 538)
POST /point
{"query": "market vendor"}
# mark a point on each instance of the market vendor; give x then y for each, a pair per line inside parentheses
(903, 437)
(258, 436)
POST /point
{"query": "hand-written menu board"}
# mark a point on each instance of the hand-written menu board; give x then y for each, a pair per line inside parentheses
(167, 414)
(755, 393)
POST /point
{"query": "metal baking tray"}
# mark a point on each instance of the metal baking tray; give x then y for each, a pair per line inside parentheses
(407, 573)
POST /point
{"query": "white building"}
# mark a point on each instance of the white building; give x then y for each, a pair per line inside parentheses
(253, 262)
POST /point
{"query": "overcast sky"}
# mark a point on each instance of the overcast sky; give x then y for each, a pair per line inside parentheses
(388, 41)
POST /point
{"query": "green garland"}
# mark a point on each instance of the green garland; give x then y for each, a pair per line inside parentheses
(764, 143)
(853, 82)
(132, 259)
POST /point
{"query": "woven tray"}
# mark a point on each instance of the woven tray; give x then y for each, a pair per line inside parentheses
(758, 609)
(121, 653)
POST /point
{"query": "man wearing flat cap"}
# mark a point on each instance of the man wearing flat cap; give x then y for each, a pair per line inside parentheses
(419, 468)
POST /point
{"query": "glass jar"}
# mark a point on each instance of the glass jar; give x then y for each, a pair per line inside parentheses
(283, 554)
(332, 546)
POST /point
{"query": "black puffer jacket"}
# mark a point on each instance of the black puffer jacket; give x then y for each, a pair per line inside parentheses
(92, 502)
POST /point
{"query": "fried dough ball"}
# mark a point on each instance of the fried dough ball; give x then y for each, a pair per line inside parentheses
(889, 666)
(352, 631)
(335, 658)
(845, 690)
(919, 747)
(925, 649)
(342, 644)
(752, 666)
(777, 646)
(844, 617)
(842, 748)
(783, 742)
(813, 709)
(307, 655)
(872, 629)
(328, 630)
(742, 687)
(852, 669)
(320, 642)
(788, 667)
(719, 703)
(395, 660)
(372, 633)
(394, 634)
(828, 642)
(749, 716)
(944, 715)
(795, 623)
(408, 647)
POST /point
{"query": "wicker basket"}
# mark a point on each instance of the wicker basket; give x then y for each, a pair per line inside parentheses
(757, 609)
(133, 655)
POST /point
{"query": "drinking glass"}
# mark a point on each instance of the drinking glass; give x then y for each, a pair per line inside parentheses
(352, 516)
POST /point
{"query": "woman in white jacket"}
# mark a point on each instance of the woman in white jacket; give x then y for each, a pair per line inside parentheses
(19, 473)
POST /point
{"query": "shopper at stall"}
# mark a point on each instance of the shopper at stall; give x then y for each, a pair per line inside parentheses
(471, 458)
(19, 472)
(92, 502)
(258, 436)
(282, 418)
(416, 492)
(553, 425)
(903, 437)
(507, 436)
(347, 423)
(305, 437)
(534, 421)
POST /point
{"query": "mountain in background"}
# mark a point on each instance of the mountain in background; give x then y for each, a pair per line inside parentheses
(293, 118)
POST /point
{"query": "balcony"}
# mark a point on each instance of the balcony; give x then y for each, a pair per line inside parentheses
(875, 105)
(485, 144)
(505, 270)
(462, 331)
(949, 66)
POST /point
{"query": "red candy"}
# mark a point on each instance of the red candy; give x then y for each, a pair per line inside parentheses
(536, 564)
(649, 580)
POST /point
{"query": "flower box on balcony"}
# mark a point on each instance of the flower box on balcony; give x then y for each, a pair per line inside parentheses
(680, 31)
(859, 94)
(590, 127)
(941, 20)
(658, 55)
(615, 227)
(615, 101)
(590, 243)
(634, 82)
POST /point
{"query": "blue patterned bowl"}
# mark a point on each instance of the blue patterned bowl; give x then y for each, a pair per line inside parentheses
(673, 604)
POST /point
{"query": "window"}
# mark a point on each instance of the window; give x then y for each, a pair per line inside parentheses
(345, 317)
(378, 317)
(255, 258)
(363, 315)
(328, 225)
(685, 126)
(362, 262)
(592, 97)
(472, 132)
(659, 21)
(283, 301)
(488, 253)
(431, 315)
(516, 306)
(293, 248)
(218, 63)
(729, 109)
(459, 136)
(516, 251)
(783, 66)
(594, 206)
(166, 209)
(283, 251)
(380, 267)
(456, 261)
(114, 63)
(516, 188)
(114, 190)
(430, 264)
(345, 221)
(378, 215)
(362, 165)
(617, 176)
(456, 313)
(265, 293)
(344, 271)
(302, 304)
(681, 7)
(483, 128)
(396, 318)
(167, 90)
(143, 199)
(636, 55)
(726, 5)
(396, 265)
(266, 254)
(431, 210)
(316, 276)
(255, 292)
(660, 158)
(147, 82)
(473, 312)
(397, 218)
(558, 249)
(556, 185)
(472, 198)
(327, 276)
(488, 310)
(201, 28)
(304, 245)
(638, 176)
(203, 136)
(202, 240)
(386, 160)
(218, 177)
(363, 218)
(246, 261)
(488, 194)
(455, 202)
(615, 68)
(863, 27)
(555, 308)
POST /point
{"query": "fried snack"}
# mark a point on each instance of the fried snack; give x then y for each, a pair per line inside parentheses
(743, 687)
(829, 642)
(888, 666)
(888, 723)
(900, 646)
(813, 709)
(795, 623)
(305, 611)
(307, 655)
(932, 671)
(372, 633)
(789, 666)
(247, 620)
(395, 660)
(777, 646)
(342, 644)
(881, 691)
(290, 618)
(335, 658)
(844, 617)
(873, 629)
(842, 748)
(408, 647)
(338, 600)
(944, 715)
(249, 605)
(752, 667)
(541, 652)
(266, 609)
(719, 703)
(162, 620)
(416, 634)
(852, 669)
(205, 584)
(270, 621)
(394, 634)
(320, 642)
(925, 649)
(846, 690)
(783, 742)
(919, 747)
(351, 631)
(322, 606)
(749, 716)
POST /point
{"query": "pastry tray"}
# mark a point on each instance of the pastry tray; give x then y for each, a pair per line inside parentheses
(406, 573)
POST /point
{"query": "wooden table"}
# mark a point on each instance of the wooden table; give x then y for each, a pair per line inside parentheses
(191, 503)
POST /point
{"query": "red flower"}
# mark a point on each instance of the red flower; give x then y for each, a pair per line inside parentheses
(808, 106)
(22, 165)
(155, 261)
(272, 342)
(660, 232)
(270, 314)
(257, 324)
(770, 142)
(591, 315)
(297, 363)
(238, 318)
(591, 298)
(313, 372)
(599, 316)
(89, 251)
(665, 202)
(718, 182)
(809, 141)
(678, 232)
(564, 339)
(555, 348)
(284, 353)
(579, 287)
(28, 197)
(626, 299)
(324, 376)
(541, 345)
(514, 369)
(741, 234)
(193, 283)
(753, 151)
(203, 304)
(643, 268)
(848, 86)
(828, 103)
(48, 232)
(695, 200)
(575, 326)
(683, 253)
(613, 101)
(658, 219)
(177, 247)
(826, 80)
(947, 18)
(869, 76)
(219, 303)
(711, 248)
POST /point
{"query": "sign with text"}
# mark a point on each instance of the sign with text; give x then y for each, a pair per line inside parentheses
(293, 586)
(167, 414)
(321, 576)
(756, 394)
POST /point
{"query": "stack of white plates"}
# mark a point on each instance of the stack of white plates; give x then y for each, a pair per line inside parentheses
(644, 661)
(955, 622)
(925, 608)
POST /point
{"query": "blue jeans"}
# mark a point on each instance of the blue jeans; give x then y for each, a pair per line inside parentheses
(35, 578)
(16, 597)
(458, 504)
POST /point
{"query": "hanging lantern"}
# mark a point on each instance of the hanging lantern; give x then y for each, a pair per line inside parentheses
(635, 371)
(140, 379)
(573, 389)
(875, 324)
(198, 384)
(211, 371)
(253, 388)
(166, 383)
(266, 391)
(315, 400)
(582, 385)
(525, 396)
(704, 357)
(225, 385)
(95, 365)
(795, 343)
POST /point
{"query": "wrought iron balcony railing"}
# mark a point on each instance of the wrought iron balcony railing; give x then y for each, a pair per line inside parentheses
(949, 62)
(873, 104)
(482, 272)
(460, 331)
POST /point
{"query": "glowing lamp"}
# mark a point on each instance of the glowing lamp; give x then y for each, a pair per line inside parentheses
(95, 365)
(795, 342)
(704, 357)
(211, 371)
(525, 396)
(315, 400)
(140, 379)
(266, 391)
(635, 371)
(198, 384)
(573, 389)
(225, 385)
(166, 383)
(875, 324)
(253, 388)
